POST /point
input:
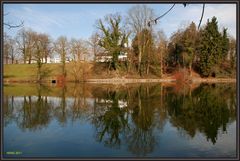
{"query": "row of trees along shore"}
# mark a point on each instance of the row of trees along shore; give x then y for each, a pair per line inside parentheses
(208, 51)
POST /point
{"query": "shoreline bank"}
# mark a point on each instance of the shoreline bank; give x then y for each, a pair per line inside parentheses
(131, 80)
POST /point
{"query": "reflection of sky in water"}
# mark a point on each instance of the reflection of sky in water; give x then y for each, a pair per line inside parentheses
(171, 143)
(77, 137)
(74, 139)
(55, 101)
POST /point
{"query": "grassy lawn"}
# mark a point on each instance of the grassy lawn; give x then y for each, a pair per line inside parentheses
(19, 71)
(28, 71)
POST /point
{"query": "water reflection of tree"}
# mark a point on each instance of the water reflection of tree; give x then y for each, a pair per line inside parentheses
(204, 110)
(60, 111)
(140, 138)
(134, 123)
(35, 112)
(80, 107)
(148, 107)
(110, 124)
(161, 106)
(8, 109)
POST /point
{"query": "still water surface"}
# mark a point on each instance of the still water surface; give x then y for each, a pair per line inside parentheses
(144, 120)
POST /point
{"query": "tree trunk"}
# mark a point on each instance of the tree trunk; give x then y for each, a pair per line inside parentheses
(190, 69)
(139, 55)
(161, 64)
(6, 59)
(83, 71)
(39, 70)
(190, 91)
(24, 55)
(147, 67)
(12, 55)
(139, 62)
(29, 59)
(146, 49)
(45, 58)
(29, 108)
(109, 66)
(139, 100)
(63, 64)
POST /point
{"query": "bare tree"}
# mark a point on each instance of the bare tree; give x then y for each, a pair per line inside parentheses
(6, 48)
(161, 49)
(10, 52)
(79, 50)
(41, 44)
(61, 47)
(47, 46)
(21, 40)
(38, 54)
(94, 44)
(13, 53)
(30, 41)
(25, 40)
(138, 18)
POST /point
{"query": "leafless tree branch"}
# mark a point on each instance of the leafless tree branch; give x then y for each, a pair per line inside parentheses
(9, 25)
(201, 16)
(155, 20)
(13, 26)
(184, 4)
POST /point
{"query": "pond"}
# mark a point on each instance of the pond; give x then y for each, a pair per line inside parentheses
(131, 120)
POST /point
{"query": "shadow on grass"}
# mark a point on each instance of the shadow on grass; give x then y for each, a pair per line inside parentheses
(8, 76)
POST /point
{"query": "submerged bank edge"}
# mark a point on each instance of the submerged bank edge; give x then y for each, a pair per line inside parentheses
(119, 80)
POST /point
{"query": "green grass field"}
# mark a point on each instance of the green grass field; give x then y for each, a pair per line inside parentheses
(19, 71)
(28, 72)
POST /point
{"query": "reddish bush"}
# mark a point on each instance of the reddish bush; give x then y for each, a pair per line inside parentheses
(179, 76)
(182, 75)
(61, 80)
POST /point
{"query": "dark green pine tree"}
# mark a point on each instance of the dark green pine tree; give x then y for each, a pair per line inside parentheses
(225, 44)
(232, 53)
(189, 40)
(210, 48)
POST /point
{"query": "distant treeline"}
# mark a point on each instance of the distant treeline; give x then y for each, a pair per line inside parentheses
(209, 51)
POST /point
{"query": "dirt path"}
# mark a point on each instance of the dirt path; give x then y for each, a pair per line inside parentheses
(194, 80)
(214, 80)
(141, 80)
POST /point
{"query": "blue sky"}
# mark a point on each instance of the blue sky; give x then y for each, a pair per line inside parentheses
(78, 20)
